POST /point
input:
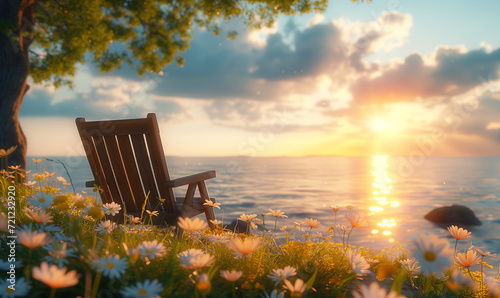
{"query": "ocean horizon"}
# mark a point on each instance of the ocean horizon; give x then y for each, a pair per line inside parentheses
(393, 194)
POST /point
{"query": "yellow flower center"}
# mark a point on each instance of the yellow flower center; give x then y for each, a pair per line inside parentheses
(96, 212)
(149, 250)
(62, 206)
(203, 286)
(110, 265)
(60, 199)
(80, 205)
(41, 200)
(142, 292)
(429, 256)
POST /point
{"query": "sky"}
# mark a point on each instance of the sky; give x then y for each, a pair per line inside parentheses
(400, 77)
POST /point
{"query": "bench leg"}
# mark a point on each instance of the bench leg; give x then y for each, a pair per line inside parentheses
(209, 211)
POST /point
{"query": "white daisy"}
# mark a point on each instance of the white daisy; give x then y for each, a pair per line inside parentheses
(215, 222)
(220, 238)
(211, 204)
(106, 227)
(433, 254)
(55, 277)
(411, 265)
(29, 183)
(31, 239)
(58, 254)
(458, 233)
(153, 213)
(232, 275)
(195, 258)
(38, 216)
(247, 217)
(191, 225)
(60, 237)
(5, 265)
(134, 219)
(278, 275)
(111, 266)
(244, 247)
(375, 291)
(111, 208)
(458, 277)
(274, 294)
(20, 289)
(143, 289)
(152, 249)
(49, 228)
(358, 263)
(42, 201)
(465, 260)
(492, 284)
(277, 213)
(296, 289)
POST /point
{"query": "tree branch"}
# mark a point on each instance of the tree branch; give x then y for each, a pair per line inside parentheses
(50, 13)
(144, 24)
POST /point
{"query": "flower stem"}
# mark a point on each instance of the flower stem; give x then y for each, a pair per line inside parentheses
(334, 224)
(52, 293)
(470, 273)
(481, 277)
(95, 287)
(348, 235)
(343, 240)
(455, 252)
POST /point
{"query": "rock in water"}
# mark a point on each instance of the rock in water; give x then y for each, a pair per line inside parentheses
(453, 215)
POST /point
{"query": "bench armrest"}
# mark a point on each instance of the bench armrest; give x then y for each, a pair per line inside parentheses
(191, 179)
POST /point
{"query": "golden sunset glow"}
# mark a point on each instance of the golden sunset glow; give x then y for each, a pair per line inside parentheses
(386, 99)
(378, 125)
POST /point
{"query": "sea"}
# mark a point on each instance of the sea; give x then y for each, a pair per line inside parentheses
(393, 194)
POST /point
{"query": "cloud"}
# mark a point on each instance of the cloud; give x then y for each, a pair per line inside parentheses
(387, 32)
(317, 19)
(452, 72)
(107, 99)
(238, 83)
(258, 37)
(316, 78)
(316, 50)
(482, 120)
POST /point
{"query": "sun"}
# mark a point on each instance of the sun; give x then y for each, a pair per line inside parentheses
(378, 125)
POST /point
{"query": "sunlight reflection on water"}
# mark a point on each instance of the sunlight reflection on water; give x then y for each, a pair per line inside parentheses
(381, 200)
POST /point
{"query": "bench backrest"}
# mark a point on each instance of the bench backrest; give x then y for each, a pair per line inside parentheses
(128, 163)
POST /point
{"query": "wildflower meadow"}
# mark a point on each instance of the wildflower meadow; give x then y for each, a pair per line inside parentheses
(56, 243)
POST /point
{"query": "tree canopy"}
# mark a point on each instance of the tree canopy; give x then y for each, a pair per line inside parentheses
(147, 34)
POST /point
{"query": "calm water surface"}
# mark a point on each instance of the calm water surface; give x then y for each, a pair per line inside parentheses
(393, 195)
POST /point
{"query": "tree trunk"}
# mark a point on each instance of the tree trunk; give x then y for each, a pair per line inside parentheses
(14, 70)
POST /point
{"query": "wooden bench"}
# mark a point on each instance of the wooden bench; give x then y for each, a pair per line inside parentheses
(128, 163)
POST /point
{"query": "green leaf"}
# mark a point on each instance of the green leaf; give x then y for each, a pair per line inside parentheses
(397, 284)
(311, 280)
(347, 279)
